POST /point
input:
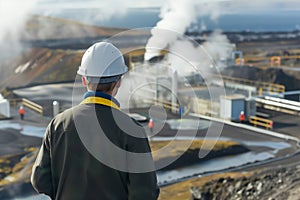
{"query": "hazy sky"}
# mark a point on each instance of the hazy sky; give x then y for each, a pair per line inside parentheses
(237, 5)
(13, 13)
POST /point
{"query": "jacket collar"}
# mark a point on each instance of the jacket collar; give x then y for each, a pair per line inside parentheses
(102, 95)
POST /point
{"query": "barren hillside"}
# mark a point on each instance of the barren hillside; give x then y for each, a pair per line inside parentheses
(38, 63)
(38, 66)
(45, 28)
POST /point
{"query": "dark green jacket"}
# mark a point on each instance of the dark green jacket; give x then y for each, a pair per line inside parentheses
(65, 169)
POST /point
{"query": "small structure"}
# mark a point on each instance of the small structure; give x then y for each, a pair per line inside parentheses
(174, 91)
(238, 61)
(4, 107)
(275, 61)
(231, 106)
(250, 107)
(55, 108)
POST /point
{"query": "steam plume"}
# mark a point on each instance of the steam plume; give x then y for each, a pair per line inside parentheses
(195, 57)
(177, 16)
(13, 15)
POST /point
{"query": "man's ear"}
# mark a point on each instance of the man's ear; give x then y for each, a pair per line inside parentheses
(83, 80)
(116, 88)
(118, 84)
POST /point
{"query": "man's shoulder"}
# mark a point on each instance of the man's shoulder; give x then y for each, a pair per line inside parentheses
(84, 112)
(126, 118)
(66, 113)
(63, 118)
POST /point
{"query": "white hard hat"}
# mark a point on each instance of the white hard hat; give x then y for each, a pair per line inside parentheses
(102, 60)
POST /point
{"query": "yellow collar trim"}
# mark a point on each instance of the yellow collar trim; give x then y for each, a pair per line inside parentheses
(100, 100)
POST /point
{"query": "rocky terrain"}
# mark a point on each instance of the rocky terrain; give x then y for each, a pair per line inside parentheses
(279, 184)
(276, 182)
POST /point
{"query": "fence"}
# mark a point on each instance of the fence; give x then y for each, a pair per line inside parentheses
(262, 86)
(29, 104)
(261, 122)
(165, 104)
(204, 107)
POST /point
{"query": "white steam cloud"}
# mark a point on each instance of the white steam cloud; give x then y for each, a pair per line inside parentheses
(177, 16)
(199, 57)
(13, 15)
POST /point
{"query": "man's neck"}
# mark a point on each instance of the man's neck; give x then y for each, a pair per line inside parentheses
(109, 93)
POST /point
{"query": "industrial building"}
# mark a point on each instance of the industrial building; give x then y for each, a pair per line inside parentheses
(205, 93)
(4, 107)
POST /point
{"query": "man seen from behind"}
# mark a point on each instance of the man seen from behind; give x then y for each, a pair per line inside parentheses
(88, 151)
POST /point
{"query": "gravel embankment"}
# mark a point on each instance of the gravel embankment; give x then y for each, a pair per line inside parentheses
(279, 184)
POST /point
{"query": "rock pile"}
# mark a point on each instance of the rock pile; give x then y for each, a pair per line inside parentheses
(270, 75)
(275, 184)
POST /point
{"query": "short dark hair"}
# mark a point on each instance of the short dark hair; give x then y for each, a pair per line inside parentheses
(105, 84)
(101, 87)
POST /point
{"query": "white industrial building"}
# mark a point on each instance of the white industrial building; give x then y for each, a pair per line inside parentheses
(4, 107)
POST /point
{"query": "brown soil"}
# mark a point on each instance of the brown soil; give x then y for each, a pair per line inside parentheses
(45, 28)
(43, 66)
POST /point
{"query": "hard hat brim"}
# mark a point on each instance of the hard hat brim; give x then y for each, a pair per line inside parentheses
(83, 72)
